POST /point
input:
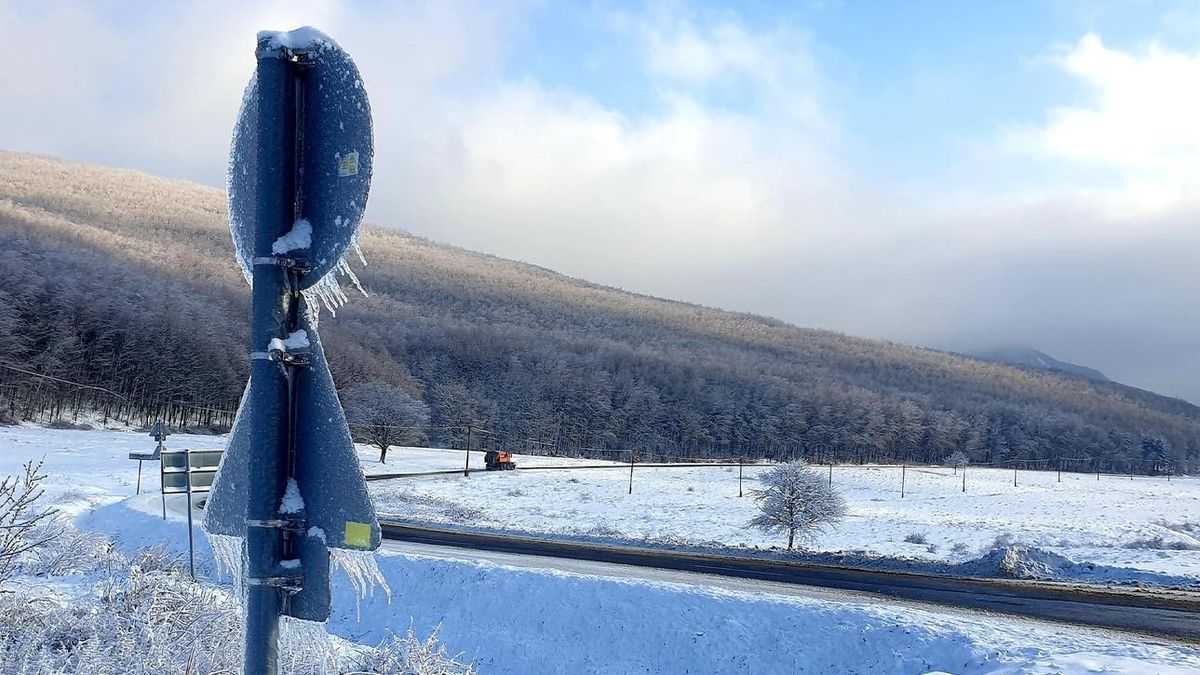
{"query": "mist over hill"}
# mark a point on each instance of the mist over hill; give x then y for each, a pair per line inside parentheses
(127, 282)
(1028, 357)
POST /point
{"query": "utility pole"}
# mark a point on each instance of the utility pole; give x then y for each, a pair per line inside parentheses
(964, 476)
(903, 472)
(631, 456)
(741, 461)
(467, 465)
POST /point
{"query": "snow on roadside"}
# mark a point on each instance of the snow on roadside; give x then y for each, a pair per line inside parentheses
(514, 620)
(517, 621)
(1147, 524)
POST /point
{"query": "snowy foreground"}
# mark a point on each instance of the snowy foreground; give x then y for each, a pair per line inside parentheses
(510, 619)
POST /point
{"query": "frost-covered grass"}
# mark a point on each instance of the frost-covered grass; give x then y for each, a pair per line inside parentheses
(1149, 524)
(114, 597)
(82, 606)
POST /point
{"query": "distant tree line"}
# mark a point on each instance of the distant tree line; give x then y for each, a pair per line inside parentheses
(146, 347)
(127, 283)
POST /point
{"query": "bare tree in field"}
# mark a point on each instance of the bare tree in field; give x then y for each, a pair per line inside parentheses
(385, 415)
(958, 460)
(796, 500)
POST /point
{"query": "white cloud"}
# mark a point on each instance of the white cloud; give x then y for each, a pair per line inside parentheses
(157, 87)
(555, 177)
(1138, 124)
(776, 63)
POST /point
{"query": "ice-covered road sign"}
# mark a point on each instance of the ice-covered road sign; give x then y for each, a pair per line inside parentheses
(334, 126)
(290, 485)
(334, 506)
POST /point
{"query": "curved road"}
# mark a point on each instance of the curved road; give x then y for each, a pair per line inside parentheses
(1173, 614)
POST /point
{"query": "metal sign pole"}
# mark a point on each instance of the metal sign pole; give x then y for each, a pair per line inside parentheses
(275, 213)
(289, 480)
(158, 436)
(162, 485)
(187, 459)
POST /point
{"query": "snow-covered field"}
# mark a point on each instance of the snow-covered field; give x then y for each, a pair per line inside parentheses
(1149, 524)
(520, 620)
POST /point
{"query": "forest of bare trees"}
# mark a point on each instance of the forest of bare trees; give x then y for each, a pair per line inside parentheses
(126, 283)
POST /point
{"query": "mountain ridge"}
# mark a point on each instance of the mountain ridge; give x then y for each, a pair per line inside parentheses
(1030, 357)
(536, 355)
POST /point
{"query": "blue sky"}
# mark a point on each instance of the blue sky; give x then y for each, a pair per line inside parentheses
(914, 84)
(954, 174)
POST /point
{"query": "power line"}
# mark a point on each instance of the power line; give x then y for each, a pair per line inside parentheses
(63, 380)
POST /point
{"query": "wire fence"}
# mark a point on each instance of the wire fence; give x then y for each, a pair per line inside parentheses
(1033, 471)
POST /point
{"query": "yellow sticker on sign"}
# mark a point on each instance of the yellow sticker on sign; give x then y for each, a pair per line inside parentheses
(348, 165)
(358, 535)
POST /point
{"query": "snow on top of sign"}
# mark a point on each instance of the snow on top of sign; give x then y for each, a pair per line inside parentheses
(303, 38)
(299, 237)
(297, 340)
(292, 502)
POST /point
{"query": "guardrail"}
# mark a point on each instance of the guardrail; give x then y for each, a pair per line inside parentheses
(1169, 613)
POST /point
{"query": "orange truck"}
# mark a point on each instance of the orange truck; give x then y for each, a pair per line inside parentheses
(499, 460)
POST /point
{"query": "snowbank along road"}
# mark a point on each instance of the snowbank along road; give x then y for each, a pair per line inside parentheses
(1172, 614)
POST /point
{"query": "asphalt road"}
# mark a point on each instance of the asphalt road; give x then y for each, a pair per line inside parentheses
(1171, 614)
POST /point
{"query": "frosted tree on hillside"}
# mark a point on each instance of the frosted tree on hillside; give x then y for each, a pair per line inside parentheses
(385, 415)
(796, 500)
(957, 460)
